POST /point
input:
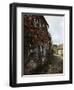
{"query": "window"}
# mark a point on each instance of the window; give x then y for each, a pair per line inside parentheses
(43, 25)
(40, 24)
(35, 23)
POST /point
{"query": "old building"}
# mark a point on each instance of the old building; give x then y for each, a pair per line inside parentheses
(37, 44)
(60, 50)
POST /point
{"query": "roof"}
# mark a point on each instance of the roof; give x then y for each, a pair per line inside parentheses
(44, 19)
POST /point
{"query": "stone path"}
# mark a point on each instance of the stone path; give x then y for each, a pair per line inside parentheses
(55, 65)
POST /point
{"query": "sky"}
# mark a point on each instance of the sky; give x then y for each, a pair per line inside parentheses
(56, 28)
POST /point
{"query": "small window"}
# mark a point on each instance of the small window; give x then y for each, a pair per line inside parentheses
(35, 23)
(43, 25)
(40, 24)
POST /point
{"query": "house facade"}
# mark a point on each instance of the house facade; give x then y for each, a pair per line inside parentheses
(37, 44)
(60, 50)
